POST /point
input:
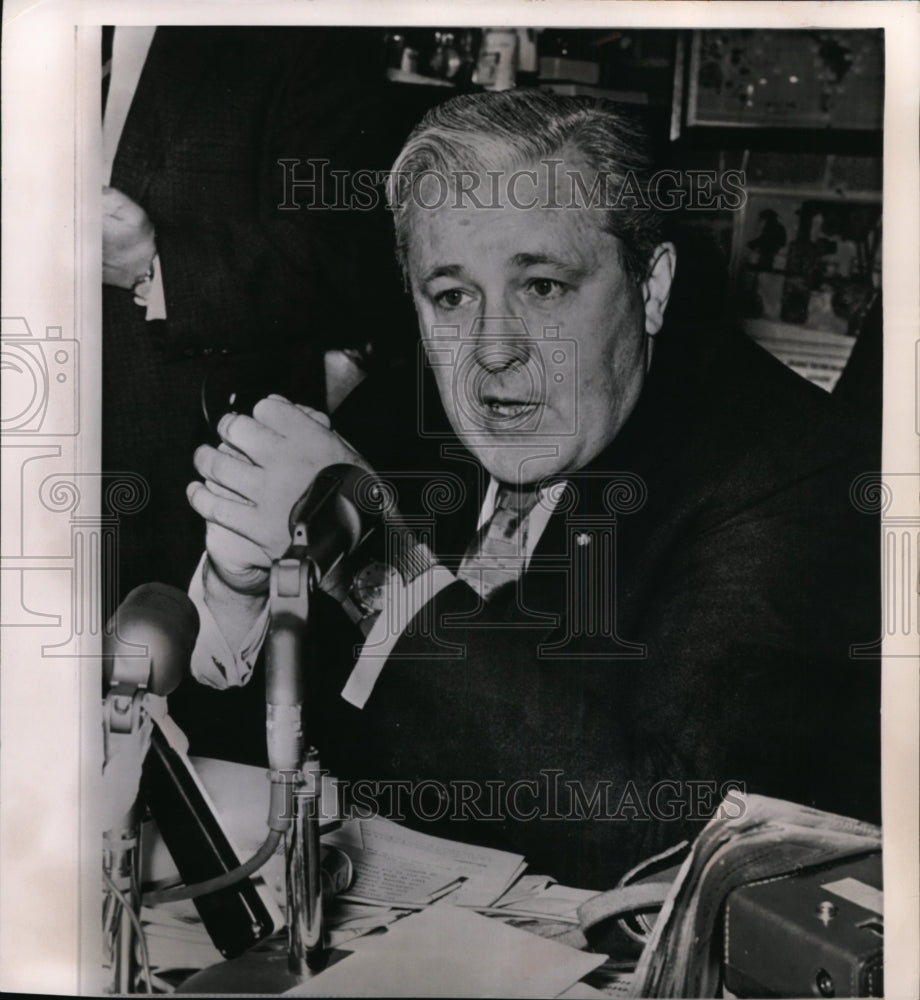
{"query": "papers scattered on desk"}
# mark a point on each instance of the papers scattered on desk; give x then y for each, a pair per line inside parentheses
(449, 952)
(446, 950)
(540, 898)
(176, 938)
(346, 921)
(397, 866)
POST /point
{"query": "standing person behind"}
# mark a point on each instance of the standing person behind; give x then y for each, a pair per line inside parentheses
(202, 268)
(591, 664)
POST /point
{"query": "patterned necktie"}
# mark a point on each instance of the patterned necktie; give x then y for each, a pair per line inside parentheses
(496, 554)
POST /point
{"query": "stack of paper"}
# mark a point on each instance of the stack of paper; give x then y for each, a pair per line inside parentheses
(539, 897)
(445, 951)
(344, 921)
(397, 866)
(449, 952)
(176, 938)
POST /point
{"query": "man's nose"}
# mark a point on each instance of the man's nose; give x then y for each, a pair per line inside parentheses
(501, 343)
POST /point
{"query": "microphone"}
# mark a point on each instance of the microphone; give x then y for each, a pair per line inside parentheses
(341, 507)
(148, 642)
(338, 511)
(146, 649)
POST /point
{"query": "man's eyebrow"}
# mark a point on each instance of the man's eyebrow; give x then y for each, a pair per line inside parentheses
(443, 271)
(535, 259)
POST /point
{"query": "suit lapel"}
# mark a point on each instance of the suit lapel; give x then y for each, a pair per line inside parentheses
(578, 568)
(599, 543)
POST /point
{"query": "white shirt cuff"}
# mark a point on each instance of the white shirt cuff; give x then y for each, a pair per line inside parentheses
(213, 662)
(402, 604)
(153, 296)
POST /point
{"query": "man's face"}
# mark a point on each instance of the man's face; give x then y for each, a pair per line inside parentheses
(536, 335)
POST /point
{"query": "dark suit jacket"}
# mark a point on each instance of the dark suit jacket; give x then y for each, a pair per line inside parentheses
(214, 111)
(686, 621)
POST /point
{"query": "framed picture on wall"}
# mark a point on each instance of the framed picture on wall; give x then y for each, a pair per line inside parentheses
(809, 259)
(806, 269)
(786, 79)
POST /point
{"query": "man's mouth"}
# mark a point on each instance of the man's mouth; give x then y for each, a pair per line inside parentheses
(506, 408)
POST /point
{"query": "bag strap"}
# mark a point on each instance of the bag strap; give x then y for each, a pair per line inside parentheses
(641, 890)
(621, 901)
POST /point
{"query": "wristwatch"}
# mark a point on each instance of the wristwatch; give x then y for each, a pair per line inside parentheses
(369, 586)
(409, 555)
(409, 558)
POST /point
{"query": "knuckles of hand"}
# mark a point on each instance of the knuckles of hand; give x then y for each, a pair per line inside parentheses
(262, 467)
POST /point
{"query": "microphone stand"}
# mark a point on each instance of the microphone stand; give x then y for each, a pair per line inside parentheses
(293, 578)
(337, 516)
(122, 717)
(306, 944)
(146, 645)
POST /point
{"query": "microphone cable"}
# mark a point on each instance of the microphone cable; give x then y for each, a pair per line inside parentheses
(229, 878)
(124, 903)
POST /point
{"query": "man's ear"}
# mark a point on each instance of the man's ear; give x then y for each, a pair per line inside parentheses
(656, 289)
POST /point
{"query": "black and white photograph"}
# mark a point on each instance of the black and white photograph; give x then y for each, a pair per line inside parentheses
(460, 501)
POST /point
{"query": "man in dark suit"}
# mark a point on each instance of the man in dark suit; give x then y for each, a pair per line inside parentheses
(625, 577)
(213, 265)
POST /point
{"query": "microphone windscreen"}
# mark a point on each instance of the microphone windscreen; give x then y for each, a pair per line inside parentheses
(150, 638)
(339, 510)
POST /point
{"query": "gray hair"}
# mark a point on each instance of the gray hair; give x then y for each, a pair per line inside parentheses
(517, 128)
